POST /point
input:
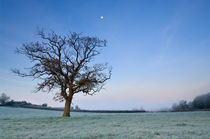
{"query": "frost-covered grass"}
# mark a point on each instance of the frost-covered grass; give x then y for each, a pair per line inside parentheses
(30, 123)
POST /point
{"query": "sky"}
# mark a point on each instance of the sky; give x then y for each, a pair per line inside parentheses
(159, 50)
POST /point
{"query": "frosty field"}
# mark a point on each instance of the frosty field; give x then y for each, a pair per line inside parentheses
(30, 123)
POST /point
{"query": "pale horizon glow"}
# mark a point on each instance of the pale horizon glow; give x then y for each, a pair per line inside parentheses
(159, 50)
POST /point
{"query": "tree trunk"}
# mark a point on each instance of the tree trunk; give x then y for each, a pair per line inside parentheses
(66, 112)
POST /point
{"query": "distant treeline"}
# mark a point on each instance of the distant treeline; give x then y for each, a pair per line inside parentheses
(26, 104)
(5, 101)
(201, 102)
(22, 103)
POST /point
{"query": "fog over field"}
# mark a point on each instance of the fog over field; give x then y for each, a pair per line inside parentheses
(30, 123)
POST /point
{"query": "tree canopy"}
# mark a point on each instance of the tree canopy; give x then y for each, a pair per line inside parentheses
(65, 62)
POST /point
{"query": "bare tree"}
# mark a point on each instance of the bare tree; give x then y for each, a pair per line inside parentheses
(4, 98)
(65, 62)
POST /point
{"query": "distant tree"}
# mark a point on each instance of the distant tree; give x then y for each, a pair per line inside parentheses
(175, 107)
(4, 98)
(77, 107)
(141, 108)
(207, 101)
(202, 101)
(44, 105)
(190, 105)
(182, 106)
(72, 108)
(65, 62)
(198, 102)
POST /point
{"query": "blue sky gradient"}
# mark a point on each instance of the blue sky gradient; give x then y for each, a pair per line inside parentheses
(159, 50)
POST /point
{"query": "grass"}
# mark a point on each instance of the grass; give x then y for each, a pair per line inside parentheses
(29, 123)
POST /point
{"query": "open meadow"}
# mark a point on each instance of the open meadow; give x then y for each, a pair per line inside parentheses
(33, 123)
